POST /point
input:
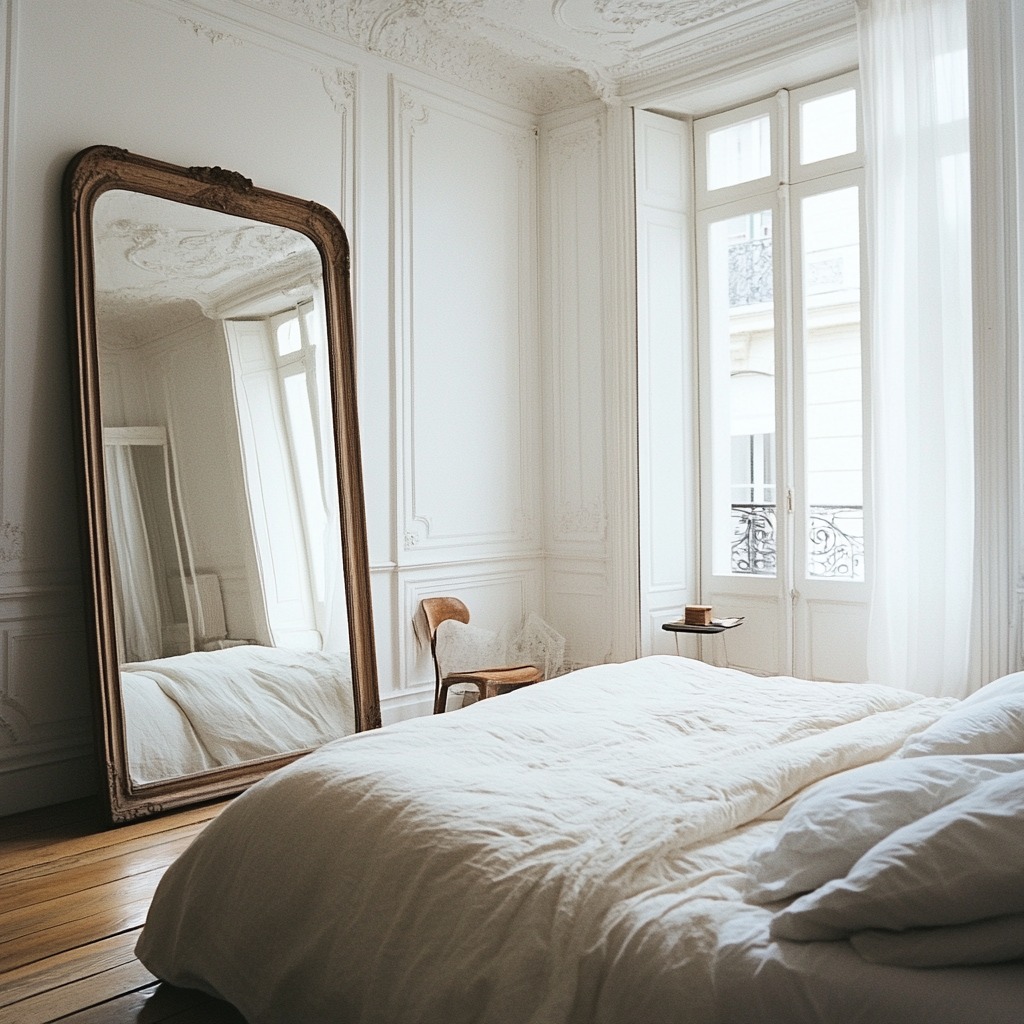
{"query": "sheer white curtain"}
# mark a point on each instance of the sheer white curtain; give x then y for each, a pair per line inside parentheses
(139, 622)
(914, 82)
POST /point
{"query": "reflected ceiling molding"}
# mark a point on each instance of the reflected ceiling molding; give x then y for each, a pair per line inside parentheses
(171, 274)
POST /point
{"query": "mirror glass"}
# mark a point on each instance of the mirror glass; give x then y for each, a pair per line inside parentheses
(225, 531)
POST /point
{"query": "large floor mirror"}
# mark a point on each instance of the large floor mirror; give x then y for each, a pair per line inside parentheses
(224, 535)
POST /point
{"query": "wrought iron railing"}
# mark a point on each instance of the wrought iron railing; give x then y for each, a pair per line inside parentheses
(750, 272)
(753, 540)
(835, 535)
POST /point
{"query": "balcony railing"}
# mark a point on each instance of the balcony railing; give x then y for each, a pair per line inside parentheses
(835, 541)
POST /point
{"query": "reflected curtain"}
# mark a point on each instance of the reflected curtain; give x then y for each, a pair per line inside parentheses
(914, 83)
(139, 622)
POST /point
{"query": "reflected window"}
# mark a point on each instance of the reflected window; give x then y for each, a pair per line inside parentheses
(275, 364)
(298, 382)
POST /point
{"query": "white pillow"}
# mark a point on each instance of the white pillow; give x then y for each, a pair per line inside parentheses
(1003, 687)
(828, 830)
(961, 863)
(992, 941)
(991, 726)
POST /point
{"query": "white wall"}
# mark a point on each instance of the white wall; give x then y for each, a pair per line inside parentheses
(438, 190)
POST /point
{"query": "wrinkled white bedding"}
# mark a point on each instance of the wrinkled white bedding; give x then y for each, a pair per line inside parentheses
(210, 708)
(572, 852)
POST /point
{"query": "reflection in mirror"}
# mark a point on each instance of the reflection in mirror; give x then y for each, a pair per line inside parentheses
(227, 545)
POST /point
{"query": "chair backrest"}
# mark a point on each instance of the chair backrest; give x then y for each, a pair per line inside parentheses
(440, 609)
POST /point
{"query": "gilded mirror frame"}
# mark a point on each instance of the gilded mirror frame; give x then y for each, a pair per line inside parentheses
(90, 174)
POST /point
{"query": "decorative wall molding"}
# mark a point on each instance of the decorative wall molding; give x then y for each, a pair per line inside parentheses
(574, 335)
(580, 605)
(41, 722)
(411, 113)
(491, 319)
(339, 80)
(12, 542)
(211, 35)
(581, 522)
(340, 87)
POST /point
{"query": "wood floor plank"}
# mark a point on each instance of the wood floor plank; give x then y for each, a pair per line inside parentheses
(20, 853)
(82, 994)
(76, 906)
(49, 941)
(67, 965)
(73, 898)
(49, 865)
(89, 873)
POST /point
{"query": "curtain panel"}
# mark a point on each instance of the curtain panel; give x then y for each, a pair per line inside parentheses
(914, 81)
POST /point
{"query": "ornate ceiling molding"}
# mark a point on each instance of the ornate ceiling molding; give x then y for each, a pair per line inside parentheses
(547, 56)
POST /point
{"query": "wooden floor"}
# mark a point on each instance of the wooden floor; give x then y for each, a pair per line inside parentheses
(73, 898)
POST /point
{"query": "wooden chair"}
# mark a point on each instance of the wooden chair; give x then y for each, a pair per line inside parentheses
(488, 681)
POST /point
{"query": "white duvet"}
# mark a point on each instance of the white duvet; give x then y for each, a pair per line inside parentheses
(210, 708)
(571, 852)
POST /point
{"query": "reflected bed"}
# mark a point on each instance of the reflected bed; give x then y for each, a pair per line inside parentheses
(209, 709)
(602, 847)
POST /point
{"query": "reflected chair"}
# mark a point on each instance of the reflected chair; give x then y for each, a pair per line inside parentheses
(488, 681)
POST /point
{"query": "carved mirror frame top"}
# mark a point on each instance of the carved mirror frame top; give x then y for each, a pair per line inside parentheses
(91, 173)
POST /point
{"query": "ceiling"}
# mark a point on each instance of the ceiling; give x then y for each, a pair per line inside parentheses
(544, 55)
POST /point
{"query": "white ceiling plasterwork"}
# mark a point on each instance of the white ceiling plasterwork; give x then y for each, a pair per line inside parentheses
(545, 55)
(158, 264)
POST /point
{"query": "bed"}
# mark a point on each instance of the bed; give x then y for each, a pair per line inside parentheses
(202, 710)
(661, 841)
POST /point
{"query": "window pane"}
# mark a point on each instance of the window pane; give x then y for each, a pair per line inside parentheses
(288, 337)
(833, 442)
(304, 455)
(739, 152)
(828, 126)
(742, 320)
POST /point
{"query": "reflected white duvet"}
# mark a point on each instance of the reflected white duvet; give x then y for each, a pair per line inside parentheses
(572, 852)
(205, 709)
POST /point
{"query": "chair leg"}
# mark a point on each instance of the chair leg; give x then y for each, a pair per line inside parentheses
(441, 704)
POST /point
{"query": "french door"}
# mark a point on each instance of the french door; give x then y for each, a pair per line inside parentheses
(781, 368)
